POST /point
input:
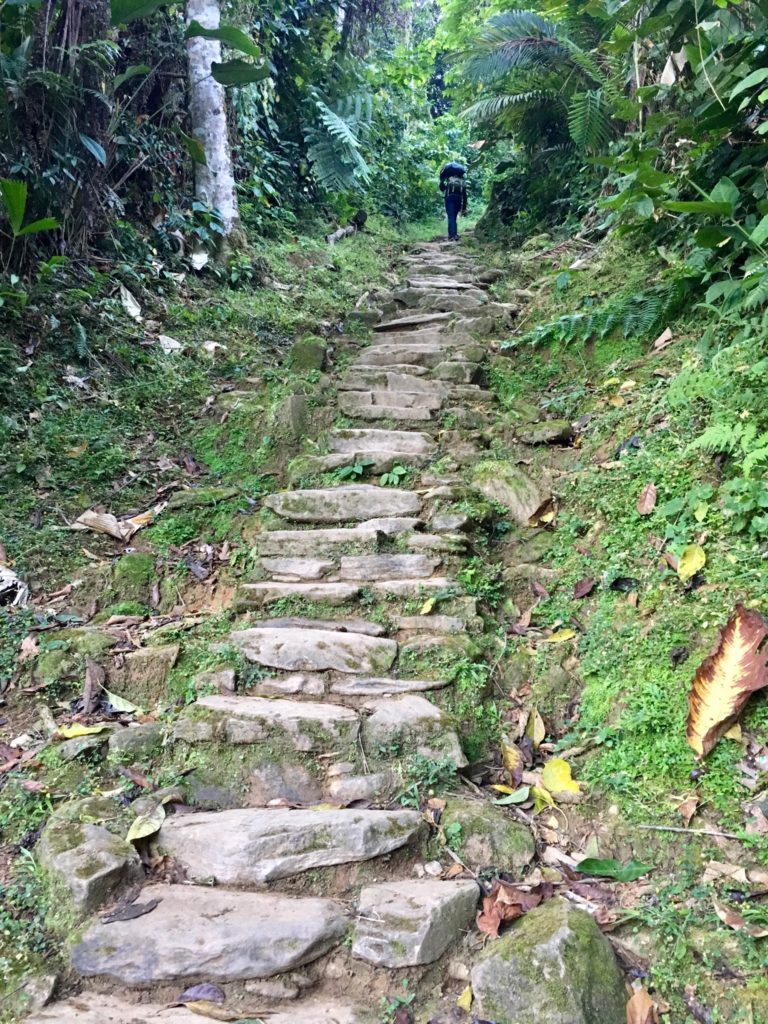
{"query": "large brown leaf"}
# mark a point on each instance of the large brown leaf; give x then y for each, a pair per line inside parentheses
(724, 681)
(507, 902)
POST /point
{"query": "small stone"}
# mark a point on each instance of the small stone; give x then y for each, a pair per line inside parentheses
(279, 989)
(553, 965)
(223, 679)
(243, 935)
(292, 417)
(458, 971)
(449, 522)
(38, 991)
(433, 868)
(89, 860)
(284, 781)
(143, 676)
(349, 788)
(70, 749)
(546, 432)
(139, 741)
(407, 923)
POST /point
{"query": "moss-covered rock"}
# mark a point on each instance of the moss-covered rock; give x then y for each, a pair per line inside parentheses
(200, 497)
(507, 484)
(308, 354)
(143, 676)
(553, 965)
(64, 656)
(486, 836)
(133, 577)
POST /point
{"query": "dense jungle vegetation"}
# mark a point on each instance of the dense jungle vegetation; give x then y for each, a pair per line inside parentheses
(163, 236)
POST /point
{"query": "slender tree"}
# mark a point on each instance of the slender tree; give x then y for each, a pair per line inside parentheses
(214, 180)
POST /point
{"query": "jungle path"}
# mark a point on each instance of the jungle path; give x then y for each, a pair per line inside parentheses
(310, 900)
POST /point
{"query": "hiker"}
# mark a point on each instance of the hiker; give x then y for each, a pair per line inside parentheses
(454, 187)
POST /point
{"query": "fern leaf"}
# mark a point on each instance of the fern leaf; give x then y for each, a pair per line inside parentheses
(589, 120)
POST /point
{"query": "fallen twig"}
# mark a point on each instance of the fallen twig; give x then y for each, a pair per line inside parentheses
(690, 831)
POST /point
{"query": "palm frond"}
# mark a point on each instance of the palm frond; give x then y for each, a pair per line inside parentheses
(516, 39)
(489, 109)
(589, 120)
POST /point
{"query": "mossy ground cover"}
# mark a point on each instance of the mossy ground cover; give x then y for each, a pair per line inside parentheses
(641, 632)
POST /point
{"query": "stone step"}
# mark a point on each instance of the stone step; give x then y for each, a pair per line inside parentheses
(313, 542)
(297, 568)
(315, 650)
(98, 1008)
(392, 526)
(342, 504)
(349, 400)
(416, 320)
(444, 542)
(361, 405)
(441, 281)
(251, 846)
(257, 595)
(411, 588)
(373, 440)
(338, 625)
(236, 719)
(444, 624)
(430, 356)
(359, 686)
(437, 337)
(375, 462)
(387, 567)
(412, 922)
(381, 380)
(199, 931)
(455, 371)
(411, 723)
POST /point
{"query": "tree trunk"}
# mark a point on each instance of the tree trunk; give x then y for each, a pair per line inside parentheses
(214, 181)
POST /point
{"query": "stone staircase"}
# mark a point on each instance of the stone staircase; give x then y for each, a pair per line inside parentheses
(333, 704)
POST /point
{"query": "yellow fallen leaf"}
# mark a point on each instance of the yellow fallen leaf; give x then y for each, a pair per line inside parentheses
(541, 798)
(548, 516)
(557, 777)
(427, 607)
(464, 1002)
(627, 385)
(535, 729)
(71, 732)
(734, 733)
(207, 1008)
(506, 790)
(561, 636)
(146, 825)
(616, 401)
(692, 559)
(512, 758)
(611, 381)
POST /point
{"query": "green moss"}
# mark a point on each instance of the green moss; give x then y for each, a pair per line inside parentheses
(132, 578)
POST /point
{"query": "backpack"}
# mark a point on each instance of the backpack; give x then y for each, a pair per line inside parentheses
(454, 185)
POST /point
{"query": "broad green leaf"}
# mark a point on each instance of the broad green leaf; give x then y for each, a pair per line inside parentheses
(699, 206)
(628, 872)
(121, 704)
(44, 224)
(14, 195)
(519, 796)
(233, 37)
(123, 11)
(760, 232)
(239, 72)
(753, 79)
(146, 825)
(194, 147)
(95, 148)
(725, 192)
(129, 73)
(712, 237)
(692, 559)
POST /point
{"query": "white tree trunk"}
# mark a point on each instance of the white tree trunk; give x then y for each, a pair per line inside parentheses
(215, 181)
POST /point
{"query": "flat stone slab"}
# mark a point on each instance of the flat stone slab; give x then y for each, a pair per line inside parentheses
(387, 567)
(202, 932)
(389, 398)
(299, 568)
(315, 650)
(360, 405)
(423, 355)
(407, 923)
(381, 379)
(338, 625)
(255, 595)
(443, 281)
(376, 462)
(236, 719)
(96, 1008)
(510, 486)
(246, 847)
(381, 440)
(358, 686)
(311, 542)
(342, 504)
(444, 624)
(391, 526)
(417, 320)
(411, 588)
(412, 723)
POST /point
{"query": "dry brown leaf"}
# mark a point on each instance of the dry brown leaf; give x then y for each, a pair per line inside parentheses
(725, 680)
(716, 870)
(207, 1008)
(664, 339)
(646, 503)
(28, 648)
(584, 587)
(687, 809)
(641, 1009)
(736, 921)
(120, 529)
(507, 902)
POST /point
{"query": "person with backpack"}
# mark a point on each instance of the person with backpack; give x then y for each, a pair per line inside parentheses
(454, 187)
